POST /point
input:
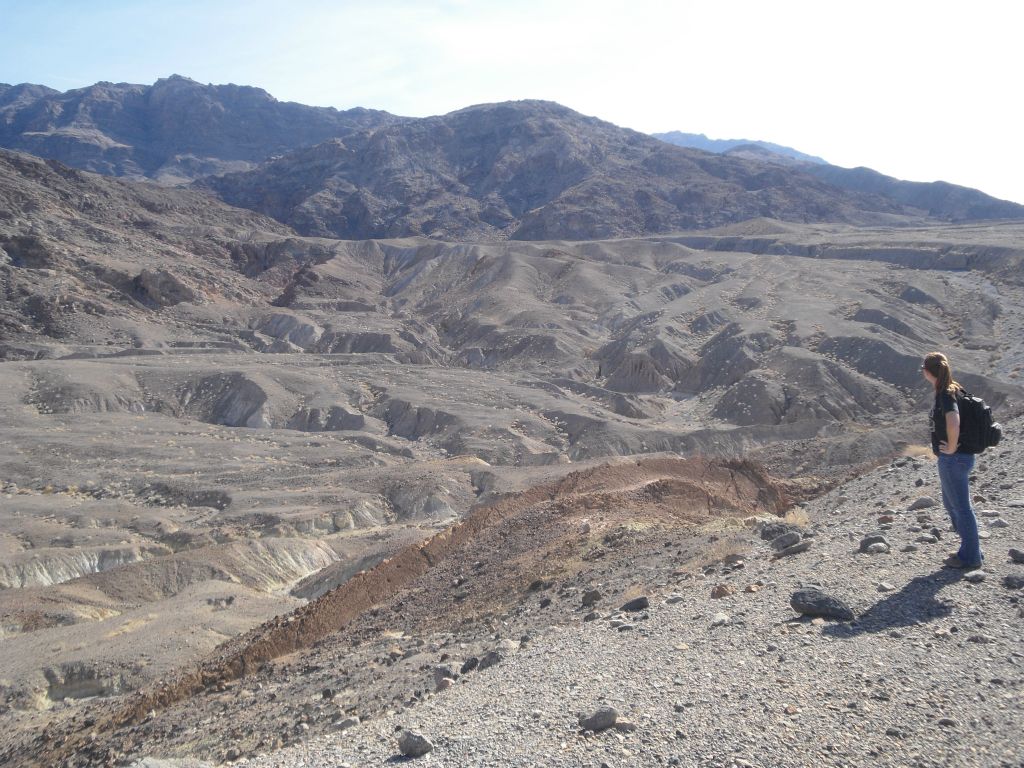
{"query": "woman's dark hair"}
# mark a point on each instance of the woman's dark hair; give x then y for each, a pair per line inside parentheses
(937, 365)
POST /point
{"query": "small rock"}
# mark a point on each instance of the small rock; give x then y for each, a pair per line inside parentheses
(592, 616)
(886, 519)
(413, 744)
(981, 639)
(723, 590)
(990, 513)
(874, 540)
(1013, 581)
(976, 577)
(601, 719)
(814, 602)
(636, 604)
(948, 722)
(348, 722)
(751, 588)
(999, 523)
(787, 539)
(444, 684)
(885, 586)
(469, 665)
(625, 726)
(444, 672)
(719, 619)
(927, 539)
(924, 502)
(800, 546)
(909, 548)
(591, 597)
(1017, 556)
(490, 659)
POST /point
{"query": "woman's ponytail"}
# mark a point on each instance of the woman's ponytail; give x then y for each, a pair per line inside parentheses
(937, 364)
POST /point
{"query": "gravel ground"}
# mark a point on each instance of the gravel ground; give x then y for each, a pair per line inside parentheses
(931, 672)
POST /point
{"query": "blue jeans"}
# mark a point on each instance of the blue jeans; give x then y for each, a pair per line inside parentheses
(954, 471)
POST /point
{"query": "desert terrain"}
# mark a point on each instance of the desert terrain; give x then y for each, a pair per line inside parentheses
(286, 448)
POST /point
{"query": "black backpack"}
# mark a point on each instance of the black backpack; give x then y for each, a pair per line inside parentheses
(978, 430)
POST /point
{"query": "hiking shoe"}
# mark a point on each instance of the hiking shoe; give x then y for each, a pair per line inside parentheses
(955, 562)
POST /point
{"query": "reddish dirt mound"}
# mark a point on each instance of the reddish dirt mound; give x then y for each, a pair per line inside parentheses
(546, 531)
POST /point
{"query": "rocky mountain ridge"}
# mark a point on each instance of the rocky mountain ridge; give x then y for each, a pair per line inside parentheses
(173, 131)
(524, 170)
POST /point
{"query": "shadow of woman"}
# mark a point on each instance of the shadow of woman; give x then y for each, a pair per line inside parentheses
(916, 603)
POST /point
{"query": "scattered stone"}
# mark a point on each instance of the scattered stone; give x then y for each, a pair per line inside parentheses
(719, 619)
(814, 602)
(1013, 581)
(771, 531)
(999, 523)
(800, 546)
(787, 539)
(909, 548)
(625, 726)
(1017, 556)
(490, 659)
(673, 599)
(348, 722)
(592, 616)
(444, 672)
(981, 639)
(990, 513)
(873, 540)
(591, 597)
(751, 588)
(636, 604)
(469, 665)
(601, 719)
(976, 577)
(948, 722)
(444, 684)
(413, 744)
(927, 539)
(885, 586)
(924, 502)
(878, 548)
(723, 590)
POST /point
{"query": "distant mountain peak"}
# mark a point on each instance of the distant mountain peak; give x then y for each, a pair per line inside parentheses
(721, 146)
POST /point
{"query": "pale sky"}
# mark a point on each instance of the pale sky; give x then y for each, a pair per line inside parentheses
(917, 90)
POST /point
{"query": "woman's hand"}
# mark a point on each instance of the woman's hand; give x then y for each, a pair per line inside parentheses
(944, 448)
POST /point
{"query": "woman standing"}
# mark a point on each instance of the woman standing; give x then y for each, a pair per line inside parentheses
(955, 464)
